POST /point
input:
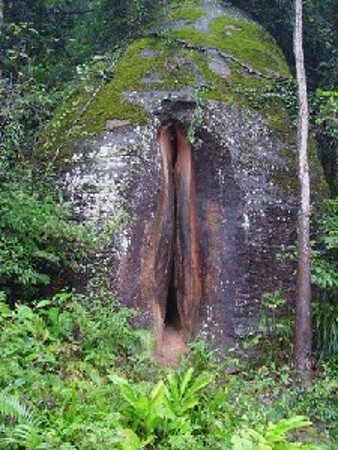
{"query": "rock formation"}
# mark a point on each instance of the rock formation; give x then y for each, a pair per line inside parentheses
(191, 138)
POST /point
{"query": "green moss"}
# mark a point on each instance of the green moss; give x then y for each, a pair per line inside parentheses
(192, 36)
(188, 13)
(228, 88)
(85, 114)
(291, 183)
(172, 66)
(318, 182)
(110, 103)
(241, 80)
(245, 40)
(279, 121)
(218, 87)
(288, 183)
(250, 43)
(133, 67)
(185, 3)
(54, 141)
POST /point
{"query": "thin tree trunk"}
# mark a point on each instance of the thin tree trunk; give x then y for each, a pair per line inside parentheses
(303, 332)
(2, 6)
(1, 12)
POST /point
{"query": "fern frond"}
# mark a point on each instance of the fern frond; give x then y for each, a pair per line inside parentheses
(12, 407)
(25, 430)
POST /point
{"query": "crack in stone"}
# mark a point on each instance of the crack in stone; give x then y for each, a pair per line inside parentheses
(226, 56)
(173, 266)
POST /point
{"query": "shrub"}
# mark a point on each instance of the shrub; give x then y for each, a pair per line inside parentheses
(38, 241)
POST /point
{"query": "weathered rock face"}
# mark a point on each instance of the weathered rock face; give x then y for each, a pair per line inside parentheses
(185, 140)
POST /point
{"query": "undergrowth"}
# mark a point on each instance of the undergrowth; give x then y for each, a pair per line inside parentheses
(75, 374)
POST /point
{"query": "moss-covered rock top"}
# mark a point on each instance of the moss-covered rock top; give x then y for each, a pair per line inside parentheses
(198, 48)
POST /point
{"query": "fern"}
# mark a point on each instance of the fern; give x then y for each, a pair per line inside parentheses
(18, 423)
(10, 406)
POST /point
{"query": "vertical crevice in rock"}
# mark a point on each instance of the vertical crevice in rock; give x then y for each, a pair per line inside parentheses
(172, 315)
(172, 276)
(187, 248)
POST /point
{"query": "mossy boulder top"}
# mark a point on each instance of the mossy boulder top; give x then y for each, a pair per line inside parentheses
(211, 75)
(198, 48)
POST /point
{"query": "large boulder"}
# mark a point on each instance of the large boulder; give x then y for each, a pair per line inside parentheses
(191, 138)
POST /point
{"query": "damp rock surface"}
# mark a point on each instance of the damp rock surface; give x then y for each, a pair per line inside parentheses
(207, 76)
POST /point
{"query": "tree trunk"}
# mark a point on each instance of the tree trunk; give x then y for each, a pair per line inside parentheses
(303, 332)
(1, 12)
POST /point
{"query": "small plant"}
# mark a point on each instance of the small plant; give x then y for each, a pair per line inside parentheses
(325, 251)
(146, 414)
(198, 114)
(183, 390)
(274, 436)
(273, 339)
(271, 304)
(163, 412)
(325, 326)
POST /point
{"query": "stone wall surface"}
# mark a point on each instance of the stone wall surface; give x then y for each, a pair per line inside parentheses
(208, 75)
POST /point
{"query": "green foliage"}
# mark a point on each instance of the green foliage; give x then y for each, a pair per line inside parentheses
(198, 114)
(325, 327)
(146, 412)
(24, 107)
(272, 341)
(33, 42)
(47, 39)
(59, 355)
(109, 23)
(183, 388)
(164, 412)
(69, 379)
(327, 104)
(271, 303)
(325, 276)
(326, 121)
(324, 269)
(325, 252)
(273, 438)
(37, 239)
(18, 424)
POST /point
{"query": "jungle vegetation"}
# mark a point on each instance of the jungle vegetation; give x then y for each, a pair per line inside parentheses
(74, 374)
